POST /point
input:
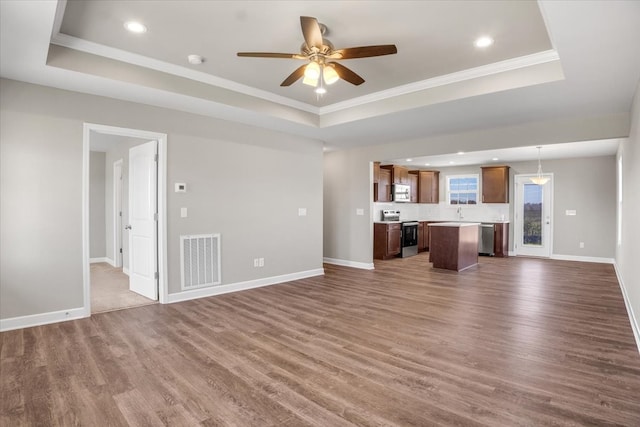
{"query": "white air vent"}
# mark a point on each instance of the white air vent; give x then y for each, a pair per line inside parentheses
(200, 261)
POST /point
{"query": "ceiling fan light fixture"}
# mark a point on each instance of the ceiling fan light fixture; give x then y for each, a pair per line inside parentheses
(312, 71)
(330, 75)
(309, 81)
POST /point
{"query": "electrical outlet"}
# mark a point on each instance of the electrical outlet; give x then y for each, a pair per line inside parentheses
(261, 262)
(581, 245)
(256, 262)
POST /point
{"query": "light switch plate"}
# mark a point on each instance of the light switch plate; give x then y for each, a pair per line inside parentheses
(359, 211)
(302, 211)
(570, 212)
(183, 212)
(180, 187)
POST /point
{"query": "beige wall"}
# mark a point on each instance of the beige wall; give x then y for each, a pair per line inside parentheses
(97, 226)
(245, 183)
(628, 252)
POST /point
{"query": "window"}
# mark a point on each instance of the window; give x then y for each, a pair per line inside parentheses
(462, 189)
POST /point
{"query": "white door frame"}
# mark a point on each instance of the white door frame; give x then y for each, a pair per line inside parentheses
(117, 213)
(162, 205)
(517, 223)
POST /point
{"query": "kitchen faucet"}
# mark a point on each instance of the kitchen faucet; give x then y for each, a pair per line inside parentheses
(459, 211)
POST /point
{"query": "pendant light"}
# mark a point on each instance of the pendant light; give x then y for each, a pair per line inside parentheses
(539, 179)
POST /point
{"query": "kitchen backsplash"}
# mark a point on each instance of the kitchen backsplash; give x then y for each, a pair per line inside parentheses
(490, 212)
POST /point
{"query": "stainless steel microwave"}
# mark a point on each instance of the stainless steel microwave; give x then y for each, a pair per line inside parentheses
(401, 193)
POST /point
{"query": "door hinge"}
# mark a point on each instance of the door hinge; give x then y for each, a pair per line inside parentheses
(120, 213)
(155, 216)
(155, 158)
(156, 275)
(120, 250)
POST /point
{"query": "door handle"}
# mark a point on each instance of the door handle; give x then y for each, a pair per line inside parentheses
(127, 227)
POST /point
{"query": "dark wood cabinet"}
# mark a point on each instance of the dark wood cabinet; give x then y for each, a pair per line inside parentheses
(386, 240)
(382, 188)
(376, 172)
(428, 186)
(423, 236)
(413, 183)
(399, 174)
(501, 239)
(495, 184)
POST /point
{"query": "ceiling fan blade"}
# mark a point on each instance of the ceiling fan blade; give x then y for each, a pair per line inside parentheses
(311, 32)
(293, 77)
(346, 74)
(364, 51)
(272, 55)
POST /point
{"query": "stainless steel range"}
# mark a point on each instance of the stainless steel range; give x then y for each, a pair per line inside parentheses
(409, 238)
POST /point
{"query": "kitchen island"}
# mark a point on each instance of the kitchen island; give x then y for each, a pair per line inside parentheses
(453, 245)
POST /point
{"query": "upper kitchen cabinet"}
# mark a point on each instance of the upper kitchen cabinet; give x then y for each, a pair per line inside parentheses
(399, 174)
(382, 188)
(428, 186)
(413, 183)
(495, 184)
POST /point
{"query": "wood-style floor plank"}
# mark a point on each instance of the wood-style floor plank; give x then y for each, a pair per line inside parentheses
(512, 342)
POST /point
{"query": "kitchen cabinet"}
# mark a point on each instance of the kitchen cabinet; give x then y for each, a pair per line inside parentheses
(495, 184)
(399, 174)
(423, 236)
(386, 240)
(428, 186)
(501, 239)
(382, 188)
(413, 183)
(376, 172)
(453, 245)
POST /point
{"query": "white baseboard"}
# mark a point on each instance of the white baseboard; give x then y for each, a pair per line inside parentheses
(102, 259)
(41, 319)
(125, 270)
(241, 286)
(635, 326)
(347, 263)
(582, 258)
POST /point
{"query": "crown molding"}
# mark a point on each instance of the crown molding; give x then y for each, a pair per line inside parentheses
(460, 76)
(81, 45)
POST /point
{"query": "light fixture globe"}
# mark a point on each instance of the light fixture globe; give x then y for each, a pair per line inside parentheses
(329, 74)
(312, 71)
(539, 179)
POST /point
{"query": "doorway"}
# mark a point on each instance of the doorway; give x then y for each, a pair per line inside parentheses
(533, 228)
(107, 284)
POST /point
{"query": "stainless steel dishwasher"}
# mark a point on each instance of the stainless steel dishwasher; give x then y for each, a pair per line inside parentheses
(485, 239)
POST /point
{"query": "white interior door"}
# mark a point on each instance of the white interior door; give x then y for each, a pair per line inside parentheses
(532, 226)
(143, 236)
(117, 212)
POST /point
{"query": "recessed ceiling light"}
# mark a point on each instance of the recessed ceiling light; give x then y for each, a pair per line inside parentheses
(409, 160)
(427, 164)
(495, 159)
(452, 163)
(195, 59)
(460, 153)
(135, 27)
(484, 41)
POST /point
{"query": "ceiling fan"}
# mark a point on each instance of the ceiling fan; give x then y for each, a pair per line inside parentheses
(322, 68)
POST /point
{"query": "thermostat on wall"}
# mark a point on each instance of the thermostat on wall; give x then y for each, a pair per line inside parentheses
(181, 187)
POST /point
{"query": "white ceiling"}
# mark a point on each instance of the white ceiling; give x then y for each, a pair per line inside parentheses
(551, 59)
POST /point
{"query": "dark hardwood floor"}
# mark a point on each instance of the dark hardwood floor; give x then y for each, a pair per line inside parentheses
(512, 342)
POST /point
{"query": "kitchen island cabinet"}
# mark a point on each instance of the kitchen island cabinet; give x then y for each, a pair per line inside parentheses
(453, 245)
(386, 240)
